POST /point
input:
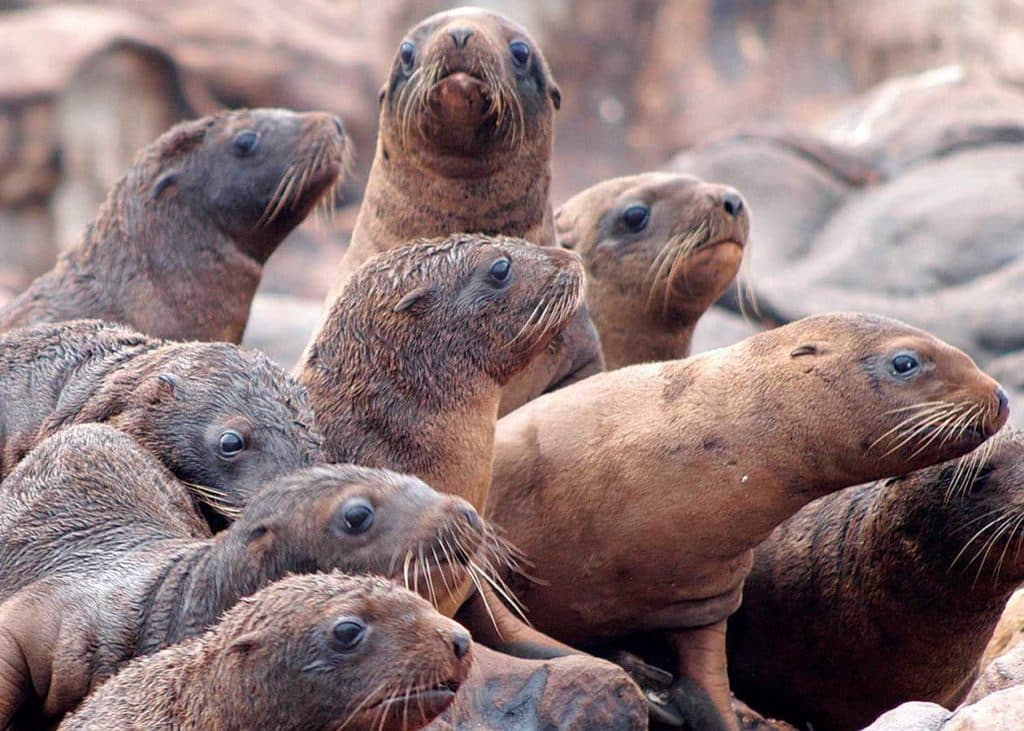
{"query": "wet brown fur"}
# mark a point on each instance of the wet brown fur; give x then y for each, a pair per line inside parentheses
(269, 663)
(882, 594)
(178, 247)
(673, 472)
(103, 558)
(647, 289)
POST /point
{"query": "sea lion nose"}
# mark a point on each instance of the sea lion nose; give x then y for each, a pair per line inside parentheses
(460, 642)
(732, 203)
(460, 36)
(1003, 398)
(338, 125)
(472, 517)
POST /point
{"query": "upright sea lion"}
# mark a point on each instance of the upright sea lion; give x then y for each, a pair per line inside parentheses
(222, 419)
(465, 141)
(671, 473)
(308, 652)
(102, 558)
(178, 247)
(659, 249)
(882, 594)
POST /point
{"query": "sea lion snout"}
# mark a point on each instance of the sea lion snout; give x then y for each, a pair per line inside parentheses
(732, 202)
(460, 35)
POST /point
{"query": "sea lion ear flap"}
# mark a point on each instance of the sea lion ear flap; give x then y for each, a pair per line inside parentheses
(165, 181)
(160, 388)
(380, 95)
(260, 539)
(556, 95)
(245, 645)
(415, 299)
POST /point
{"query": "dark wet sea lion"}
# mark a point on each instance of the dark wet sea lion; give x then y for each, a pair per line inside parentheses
(325, 651)
(220, 418)
(882, 594)
(465, 146)
(178, 247)
(103, 559)
(673, 472)
(659, 249)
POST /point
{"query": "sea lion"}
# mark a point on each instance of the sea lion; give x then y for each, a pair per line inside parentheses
(222, 419)
(659, 249)
(102, 558)
(744, 436)
(407, 371)
(308, 652)
(882, 594)
(177, 249)
(465, 141)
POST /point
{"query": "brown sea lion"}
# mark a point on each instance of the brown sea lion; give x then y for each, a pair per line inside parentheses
(222, 419)
(659, 249)
(313, 652)
(465, 139)
(465, 145)
(673, 472)
(883, 593)
(102, 558)
(178, 247)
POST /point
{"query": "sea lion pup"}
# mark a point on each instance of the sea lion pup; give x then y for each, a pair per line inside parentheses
(178, 247)
(102, 559)
(465, 142)
(407, 372)
(324, 651)
(673, 472)
(222, 419)
(659, 249)
(882, 594)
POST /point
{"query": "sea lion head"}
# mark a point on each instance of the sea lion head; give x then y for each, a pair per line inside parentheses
(887, 397)
(467, 81)
(369, 521)
(253, 175)
(336, 651)
(659, 249)
(225, 421)
(470, 304)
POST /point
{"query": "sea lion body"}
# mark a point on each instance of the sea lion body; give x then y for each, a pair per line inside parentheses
(465, 142)
(674, 472)
(99, 567)
(177, 249)
(882, 594)
(659, 249)
(222, 419)
(308, 652)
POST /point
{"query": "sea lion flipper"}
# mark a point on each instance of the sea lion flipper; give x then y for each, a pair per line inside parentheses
(15, 675)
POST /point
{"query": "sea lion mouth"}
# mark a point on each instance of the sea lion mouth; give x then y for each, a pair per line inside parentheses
(314, 180)
(432, 699)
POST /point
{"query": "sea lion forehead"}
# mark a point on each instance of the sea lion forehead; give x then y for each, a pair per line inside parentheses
(481, 17)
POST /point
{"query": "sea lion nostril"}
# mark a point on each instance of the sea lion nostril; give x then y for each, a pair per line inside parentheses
(460, 36)
(732, 203)
(338, 125)
(460, 643)
(1003, 398)
(472, 517)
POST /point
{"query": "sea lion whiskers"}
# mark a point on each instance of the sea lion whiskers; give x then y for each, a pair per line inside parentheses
(950, 429)
(214, 498)
(920, 411)
(677, 249)
(276, 203)
(937, 418)
(969, 467)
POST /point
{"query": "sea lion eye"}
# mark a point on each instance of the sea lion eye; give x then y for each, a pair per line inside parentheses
(358, 516)
(636, 217)
(905, 364)
(520, 51)
(246, 142)
(231, 444)
(348, 634)
(501, 271)
(407, 52)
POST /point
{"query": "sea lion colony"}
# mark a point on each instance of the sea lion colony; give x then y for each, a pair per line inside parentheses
(175, 515)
